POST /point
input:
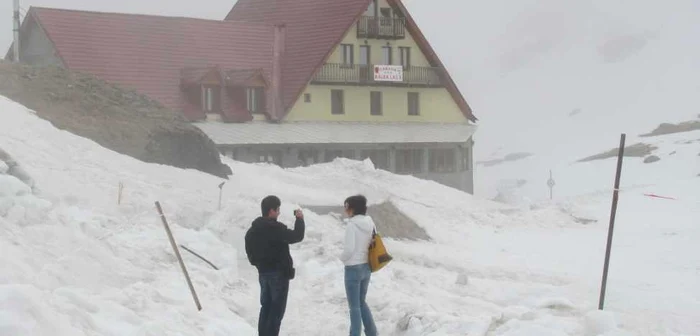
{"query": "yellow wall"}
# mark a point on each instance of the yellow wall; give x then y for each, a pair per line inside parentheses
(436, 104)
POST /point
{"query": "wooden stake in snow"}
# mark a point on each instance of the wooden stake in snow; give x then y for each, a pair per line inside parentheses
(179, 257)
(613, 212)
(119, 194)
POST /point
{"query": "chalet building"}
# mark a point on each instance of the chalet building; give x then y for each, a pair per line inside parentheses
(290, 82)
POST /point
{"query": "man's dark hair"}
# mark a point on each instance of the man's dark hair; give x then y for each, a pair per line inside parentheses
(269, 203)
(358, 204)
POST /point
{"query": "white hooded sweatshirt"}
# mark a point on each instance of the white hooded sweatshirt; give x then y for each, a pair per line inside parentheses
(358, 235)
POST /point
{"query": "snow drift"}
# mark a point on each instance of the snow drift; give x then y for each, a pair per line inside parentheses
(76, 263)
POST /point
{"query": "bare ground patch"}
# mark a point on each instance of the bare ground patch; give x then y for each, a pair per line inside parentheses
(636, 150)
(116, 118)
(508, 158)
(667, 128)
(391, 222)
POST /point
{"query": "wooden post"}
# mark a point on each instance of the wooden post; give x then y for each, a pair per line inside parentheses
(179, 257)
(613, 212)
(119, 193)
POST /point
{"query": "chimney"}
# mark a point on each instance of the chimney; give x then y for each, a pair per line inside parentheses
(277, 107)
(15, 19)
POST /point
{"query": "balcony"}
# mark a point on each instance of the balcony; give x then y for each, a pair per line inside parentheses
(380, 27)
(363, 75)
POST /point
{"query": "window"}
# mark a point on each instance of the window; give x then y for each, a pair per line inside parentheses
(307, 97)
(255, 99)
(308, 157)
(442, 160)
(413, 104)
(365, 55)
(273, 157)
(386, 55)
(372, 9)
(405, 57)
(211, 99)
(409, 161)
(466, 160)
(339, 153)
(375, 104)
(379, 157)
(385, 12)
(337, 102)
(348, 51)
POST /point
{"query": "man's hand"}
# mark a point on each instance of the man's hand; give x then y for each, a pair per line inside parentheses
(299, 214)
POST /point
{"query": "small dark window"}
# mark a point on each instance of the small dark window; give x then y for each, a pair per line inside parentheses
(307, 97)
(466, 162)
(413, 104)
(255, 99)
(211, 99)
(348, 55)
(405, 57)
(442, 160)
(273, 157)
(333, 154)
(337, 102)
(387, 55)
(365, 56)
(375, 103)
(409, 161)
(379, 157)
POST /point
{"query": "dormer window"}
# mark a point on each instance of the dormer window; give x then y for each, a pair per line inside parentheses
(211, 98)
(255, 99)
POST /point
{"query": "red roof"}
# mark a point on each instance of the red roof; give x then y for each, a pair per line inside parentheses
(314, 28)
(155, 54)
(147, 53)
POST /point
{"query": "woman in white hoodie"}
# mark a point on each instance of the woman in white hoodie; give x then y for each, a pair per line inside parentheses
(358, 235)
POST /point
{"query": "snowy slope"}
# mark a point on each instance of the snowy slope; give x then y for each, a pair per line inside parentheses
(106, 269)
(75, 263)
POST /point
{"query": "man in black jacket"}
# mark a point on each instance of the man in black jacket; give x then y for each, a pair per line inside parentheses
(267, 246)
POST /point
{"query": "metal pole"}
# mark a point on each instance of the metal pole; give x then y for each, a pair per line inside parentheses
(613, 212)
(179, 257)
(221, 190)
(15, 19)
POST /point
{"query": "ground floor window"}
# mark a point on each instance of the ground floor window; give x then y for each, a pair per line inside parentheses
(442, 160)
(272, 156)
(308, 157)
(466, 159)
(379, 157)
(339, 153)
(409, 161)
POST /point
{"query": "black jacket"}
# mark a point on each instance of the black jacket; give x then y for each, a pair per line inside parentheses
(267, 245)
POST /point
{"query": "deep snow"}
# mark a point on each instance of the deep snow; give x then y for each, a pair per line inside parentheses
(75, 263)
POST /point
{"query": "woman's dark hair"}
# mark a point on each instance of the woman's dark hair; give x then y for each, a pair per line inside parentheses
(358, 204)
(269, 203)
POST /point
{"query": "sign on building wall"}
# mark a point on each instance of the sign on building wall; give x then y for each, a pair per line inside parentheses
(388, 73)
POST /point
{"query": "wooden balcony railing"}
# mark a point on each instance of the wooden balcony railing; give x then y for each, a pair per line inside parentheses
(380, 27)
(354, 74)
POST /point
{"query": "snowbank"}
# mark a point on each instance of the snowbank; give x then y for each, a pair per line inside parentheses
(83, 265)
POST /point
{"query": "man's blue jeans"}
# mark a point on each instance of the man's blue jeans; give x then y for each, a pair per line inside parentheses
(274, 288)
(356, 283)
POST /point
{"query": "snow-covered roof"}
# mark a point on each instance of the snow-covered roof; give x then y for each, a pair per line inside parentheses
(335, 132)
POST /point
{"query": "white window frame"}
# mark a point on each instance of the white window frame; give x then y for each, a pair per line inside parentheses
(207, 99)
